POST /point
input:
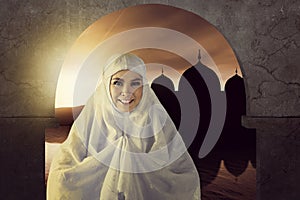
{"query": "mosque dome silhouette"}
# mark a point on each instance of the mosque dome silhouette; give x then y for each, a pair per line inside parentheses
(194, 89)
(163, 81)
(236, 99)
(234, 135)
(164, 89)
(234, 79)
(209, 77)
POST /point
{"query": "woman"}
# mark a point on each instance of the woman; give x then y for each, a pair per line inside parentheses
(123, 145)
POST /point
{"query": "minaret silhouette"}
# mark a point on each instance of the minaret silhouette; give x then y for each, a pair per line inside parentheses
(163, 87)
(234, 135)
(236, 100)
(237, 140)
(196, 105)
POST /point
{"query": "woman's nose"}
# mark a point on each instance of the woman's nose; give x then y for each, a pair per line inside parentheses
(124, 94)
(126, 89)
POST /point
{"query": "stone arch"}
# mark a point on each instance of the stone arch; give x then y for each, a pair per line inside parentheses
(215, 62)
(36, 36)
(209, 40)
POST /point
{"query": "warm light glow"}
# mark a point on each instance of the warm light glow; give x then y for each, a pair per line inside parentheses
(159, 34)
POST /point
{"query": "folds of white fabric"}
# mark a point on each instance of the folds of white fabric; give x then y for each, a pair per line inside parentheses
(112, 155)
(83, 176)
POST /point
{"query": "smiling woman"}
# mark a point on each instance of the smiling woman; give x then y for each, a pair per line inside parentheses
(123, 145)
(126, 90)
(162, 38)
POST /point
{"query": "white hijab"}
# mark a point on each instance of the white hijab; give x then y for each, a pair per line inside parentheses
(123, 155)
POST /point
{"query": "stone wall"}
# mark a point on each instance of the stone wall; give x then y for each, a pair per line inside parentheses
(36, 35)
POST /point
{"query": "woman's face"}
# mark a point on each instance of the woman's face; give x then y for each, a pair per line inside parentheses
(126, 90)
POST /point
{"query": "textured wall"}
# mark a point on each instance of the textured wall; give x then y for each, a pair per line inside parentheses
(278, 157)
(36, 35)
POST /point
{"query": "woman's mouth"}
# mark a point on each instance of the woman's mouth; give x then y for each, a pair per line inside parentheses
(126, 101)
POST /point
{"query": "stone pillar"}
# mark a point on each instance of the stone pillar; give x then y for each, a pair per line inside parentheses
(22, 157)
(278, 156)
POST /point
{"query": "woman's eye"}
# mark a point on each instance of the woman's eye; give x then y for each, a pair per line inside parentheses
(117, 83)
(135, 84)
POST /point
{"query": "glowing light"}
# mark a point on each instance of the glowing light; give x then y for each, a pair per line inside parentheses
(138, 28)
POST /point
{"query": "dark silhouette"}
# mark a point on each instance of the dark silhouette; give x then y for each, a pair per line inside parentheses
(234, 135)
(209, 167)
(194, 83)
(163, 81)
(165, 92)
(236, 143)
(235, 163)
(236, 100)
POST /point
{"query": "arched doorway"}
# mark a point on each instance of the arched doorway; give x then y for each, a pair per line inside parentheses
(141, 30)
